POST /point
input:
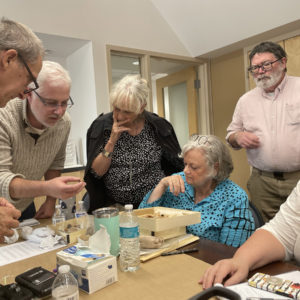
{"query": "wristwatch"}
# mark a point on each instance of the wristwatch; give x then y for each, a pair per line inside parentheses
(106, 153)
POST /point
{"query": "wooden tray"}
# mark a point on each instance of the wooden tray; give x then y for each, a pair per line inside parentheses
(164, 218)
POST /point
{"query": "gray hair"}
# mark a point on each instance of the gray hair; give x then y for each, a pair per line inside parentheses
(215, 152)
(53, 72)
(270, 47)
(130, 93)
(14, 35)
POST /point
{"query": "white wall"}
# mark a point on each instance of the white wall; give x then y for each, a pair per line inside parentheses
(81, 67)
(127, 23)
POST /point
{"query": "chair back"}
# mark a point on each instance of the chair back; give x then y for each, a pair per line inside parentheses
(86, 201)
(258, 220)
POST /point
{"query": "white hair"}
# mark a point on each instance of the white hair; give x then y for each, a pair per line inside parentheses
(53, 72)
(130, 93)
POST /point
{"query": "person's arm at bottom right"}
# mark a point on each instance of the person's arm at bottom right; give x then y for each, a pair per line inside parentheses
(260, 249)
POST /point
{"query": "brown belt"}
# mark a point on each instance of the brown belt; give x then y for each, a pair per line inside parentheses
(278, 175)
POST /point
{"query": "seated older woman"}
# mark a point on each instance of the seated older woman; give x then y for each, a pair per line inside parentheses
(130, 149)
(204, 186)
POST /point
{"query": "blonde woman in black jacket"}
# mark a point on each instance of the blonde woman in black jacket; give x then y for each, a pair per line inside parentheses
(129, 150)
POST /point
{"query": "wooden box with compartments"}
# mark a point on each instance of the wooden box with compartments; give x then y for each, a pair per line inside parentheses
(71, 229)
(165, 222)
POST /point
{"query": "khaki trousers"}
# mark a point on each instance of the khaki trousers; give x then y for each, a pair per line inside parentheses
(268, 193)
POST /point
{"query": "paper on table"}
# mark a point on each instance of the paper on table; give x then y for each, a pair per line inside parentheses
(246, 291)
(29, 222)
(19, 251)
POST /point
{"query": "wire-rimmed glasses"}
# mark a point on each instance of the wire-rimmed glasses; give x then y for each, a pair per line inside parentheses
(53, 103)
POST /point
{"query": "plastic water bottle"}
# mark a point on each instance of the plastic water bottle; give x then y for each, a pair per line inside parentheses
(129, 240)
(65, 286)
(80, 210)
(81, 215)
(58, 216)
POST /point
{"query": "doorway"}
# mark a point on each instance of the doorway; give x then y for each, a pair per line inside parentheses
(177, 99)
(171, 80)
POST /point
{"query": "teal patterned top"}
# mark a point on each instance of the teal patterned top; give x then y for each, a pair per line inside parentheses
(225, 214)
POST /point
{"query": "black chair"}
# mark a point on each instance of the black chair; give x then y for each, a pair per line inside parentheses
(258, 220)
(86, 201)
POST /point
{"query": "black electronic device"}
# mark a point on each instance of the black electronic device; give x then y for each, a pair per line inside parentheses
(216, 291)
(14, 291)
(38, 280)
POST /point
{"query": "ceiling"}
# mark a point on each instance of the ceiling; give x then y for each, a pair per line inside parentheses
(210, 28)
(206, 27)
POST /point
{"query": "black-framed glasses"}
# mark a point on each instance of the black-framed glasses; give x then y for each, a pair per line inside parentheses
(33, 79)
(266, 66)
(53, 103)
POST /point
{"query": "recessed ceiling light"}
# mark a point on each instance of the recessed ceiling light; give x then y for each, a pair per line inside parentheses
(136, 63)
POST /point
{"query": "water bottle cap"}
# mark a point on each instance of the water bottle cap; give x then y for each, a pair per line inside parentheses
(64, 269)
(128, 206)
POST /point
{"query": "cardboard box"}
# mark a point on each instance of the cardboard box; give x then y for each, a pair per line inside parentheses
(165, 222)
(92, 275)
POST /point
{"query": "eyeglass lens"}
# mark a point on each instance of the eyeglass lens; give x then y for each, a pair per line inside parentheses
(53, 104)
(266, 66)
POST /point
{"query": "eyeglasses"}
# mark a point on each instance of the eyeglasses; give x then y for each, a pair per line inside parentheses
(266, 66)
(53, 103)
(33, 79)
(200, 139)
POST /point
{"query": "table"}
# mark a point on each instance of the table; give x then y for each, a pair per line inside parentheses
(211, 252)
(166, 277)
(169, 277)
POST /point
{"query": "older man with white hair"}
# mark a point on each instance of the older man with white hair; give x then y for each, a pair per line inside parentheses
(37, 147)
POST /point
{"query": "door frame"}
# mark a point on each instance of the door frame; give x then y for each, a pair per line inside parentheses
(188, 75)
(204, 107)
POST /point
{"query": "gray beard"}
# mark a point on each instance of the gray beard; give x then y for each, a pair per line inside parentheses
(266, 82)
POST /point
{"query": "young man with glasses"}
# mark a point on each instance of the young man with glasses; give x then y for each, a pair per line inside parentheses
(266, 123)
(20, 49)
(34, 134)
